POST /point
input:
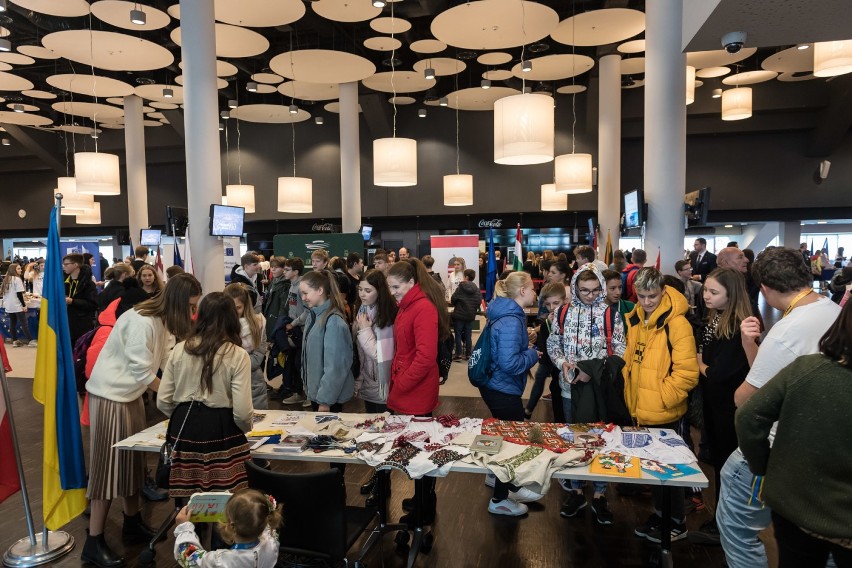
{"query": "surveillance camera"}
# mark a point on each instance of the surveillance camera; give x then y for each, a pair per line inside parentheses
(733, 42)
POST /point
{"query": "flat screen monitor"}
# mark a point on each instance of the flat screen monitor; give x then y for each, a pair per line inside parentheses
(633, 209)
(226, 221)
(150, 238)
(177, 218)
(696, 205)
(367, 232)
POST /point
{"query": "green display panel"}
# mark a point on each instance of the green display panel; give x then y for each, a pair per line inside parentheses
(337, 244)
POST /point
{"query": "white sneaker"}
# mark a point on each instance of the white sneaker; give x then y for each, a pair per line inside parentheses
(507, 507)
(33, 343)
(565, 484)
(306, 403)
(524, 495)
(294, 398)
(490, 479)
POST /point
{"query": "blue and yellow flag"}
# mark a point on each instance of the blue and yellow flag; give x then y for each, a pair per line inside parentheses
(491, 268)
(64, 475)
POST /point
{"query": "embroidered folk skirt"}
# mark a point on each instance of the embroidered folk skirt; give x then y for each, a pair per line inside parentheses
(113, 472)
(210, 453)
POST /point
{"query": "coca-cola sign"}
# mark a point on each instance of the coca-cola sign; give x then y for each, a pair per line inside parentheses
(490, 223)
(322, 228)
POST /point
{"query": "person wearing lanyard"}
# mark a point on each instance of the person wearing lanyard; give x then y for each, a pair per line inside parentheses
(81, 295)
(785, 282)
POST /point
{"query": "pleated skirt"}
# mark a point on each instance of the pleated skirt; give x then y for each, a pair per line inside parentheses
(209, 454)
(113, 472)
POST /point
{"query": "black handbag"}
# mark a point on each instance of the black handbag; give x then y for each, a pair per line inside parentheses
(166, 455)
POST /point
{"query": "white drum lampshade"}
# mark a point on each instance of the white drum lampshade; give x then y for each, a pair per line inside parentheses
(295, 195)
(240, 196)
(97, 173)
(458, 190)
(72, 202)
(690, 84)
(832, 58)
(736, 103)
(92, 217)
(395, 162)
(552, 200)
(523, 130)
(224, 200)
(574, 173)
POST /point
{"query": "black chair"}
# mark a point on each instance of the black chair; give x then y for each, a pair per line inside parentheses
(317, 523)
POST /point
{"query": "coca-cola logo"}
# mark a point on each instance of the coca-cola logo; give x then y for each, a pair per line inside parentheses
(323, 228)
(486, 223)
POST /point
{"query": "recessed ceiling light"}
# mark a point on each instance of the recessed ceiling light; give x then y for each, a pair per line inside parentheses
(138, 17)
(822, 222)
(729, 226)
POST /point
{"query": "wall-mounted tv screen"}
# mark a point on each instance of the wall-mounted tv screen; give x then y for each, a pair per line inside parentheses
(633, 209)
(696, 205)
(367, 232)
(177, 218)
(150, 238)
(226, 221)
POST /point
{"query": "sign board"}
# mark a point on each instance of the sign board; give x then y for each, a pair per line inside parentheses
(83, 247)
(336, 244)
(445, 248)
(231, 247)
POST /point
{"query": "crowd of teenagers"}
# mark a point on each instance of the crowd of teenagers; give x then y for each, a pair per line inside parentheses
(688, 352)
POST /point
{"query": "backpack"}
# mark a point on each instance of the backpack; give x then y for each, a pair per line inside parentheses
(624, 277)
(81, 348)
(479, 365)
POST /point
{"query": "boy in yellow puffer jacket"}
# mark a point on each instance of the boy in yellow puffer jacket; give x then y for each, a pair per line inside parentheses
(661, 368)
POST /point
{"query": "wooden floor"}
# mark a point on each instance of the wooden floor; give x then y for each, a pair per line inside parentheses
(465, 533)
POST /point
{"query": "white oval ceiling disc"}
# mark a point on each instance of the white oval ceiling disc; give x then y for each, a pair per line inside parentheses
(233, 41)
(443, 66)
(494, 24)
(112, 51)
(427, 46)
(310, 91)
(322, 66)
(711, 72)
(600, 27)
(269, 114)
(554, 67)
(23, 118)
(749, 78)
(717, 57)
(346, 10)
(93, 86)
(792, 60)
(259, 13)
(116, 13)
(64, 8)
(399, 82)
(475, 98)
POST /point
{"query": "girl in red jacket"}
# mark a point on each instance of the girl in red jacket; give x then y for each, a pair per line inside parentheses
(421, 321)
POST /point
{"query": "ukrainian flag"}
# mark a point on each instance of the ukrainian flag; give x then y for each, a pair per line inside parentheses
(64, 475)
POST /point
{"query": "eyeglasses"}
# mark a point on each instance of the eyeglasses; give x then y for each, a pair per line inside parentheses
(68, 263)
(586, 291)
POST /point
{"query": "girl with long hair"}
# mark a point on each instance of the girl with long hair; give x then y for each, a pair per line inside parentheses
(326, 343)
(127, 366)
(373, 331)
(512, 357)
(150, 280)
(723, 366)
(421, 322)
(456, 277)
(252, 340)
(12, 292)
(206, 393)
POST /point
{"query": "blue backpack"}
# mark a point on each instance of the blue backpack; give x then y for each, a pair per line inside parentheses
(479, 364)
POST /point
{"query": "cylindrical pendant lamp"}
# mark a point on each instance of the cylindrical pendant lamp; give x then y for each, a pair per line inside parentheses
(72, 202)
(736, 103)
(573, 173)
(458, 190)
(523, 130)
(97, 173)
(394, 162)
(552, 200)
(240, 196)
(92, 217)
(832, 58)
(295, 195)
(690, 84)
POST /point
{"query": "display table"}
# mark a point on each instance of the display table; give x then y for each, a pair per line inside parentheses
(33, 311)
(152, 438)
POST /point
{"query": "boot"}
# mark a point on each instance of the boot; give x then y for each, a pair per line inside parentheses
(134, 527)
(370, 486)
(97, 552)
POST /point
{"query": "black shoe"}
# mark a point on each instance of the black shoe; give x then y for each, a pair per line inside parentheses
(370, 486)
(601, 511)
(707, 534)
(408, 504)
(150, 491)
(651, 525)
(134, 528)
(575, 503)
(679, 532)
(97, 552)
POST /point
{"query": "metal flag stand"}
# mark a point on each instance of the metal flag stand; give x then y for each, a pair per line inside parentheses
(35, 549)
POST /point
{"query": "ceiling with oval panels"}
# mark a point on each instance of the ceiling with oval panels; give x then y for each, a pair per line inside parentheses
(276, 114)
(270, 41)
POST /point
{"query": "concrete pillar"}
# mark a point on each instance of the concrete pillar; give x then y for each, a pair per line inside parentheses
(350, 163)
(609, 151)
(665, 131)
(201, 123)
(792, 234)
(137, 182)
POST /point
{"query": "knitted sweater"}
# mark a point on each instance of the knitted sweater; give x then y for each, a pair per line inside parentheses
(808, 480)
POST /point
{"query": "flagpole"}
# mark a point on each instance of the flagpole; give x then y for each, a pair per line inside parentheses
(32, 550)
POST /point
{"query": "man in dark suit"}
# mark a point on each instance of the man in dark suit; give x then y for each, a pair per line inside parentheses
(702, 261)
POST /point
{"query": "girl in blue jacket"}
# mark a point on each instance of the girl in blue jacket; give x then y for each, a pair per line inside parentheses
(511, 358)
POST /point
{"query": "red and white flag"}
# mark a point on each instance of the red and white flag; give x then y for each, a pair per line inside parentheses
(9, 481)
(657, 264)
(187, 255)
(158, 265)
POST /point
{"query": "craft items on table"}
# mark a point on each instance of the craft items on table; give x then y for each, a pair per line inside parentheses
(662, 470)
(486, 444)
(656, 444)
(615, 464)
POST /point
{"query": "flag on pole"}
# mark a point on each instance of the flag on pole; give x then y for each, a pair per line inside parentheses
(158, 264)
(608, 251)
(812, 250)
(177, 259)
(64, 472)
(491, 273)
(825, 246)
(518, 263)
(9, 481)
(186, 253)
(657, 264)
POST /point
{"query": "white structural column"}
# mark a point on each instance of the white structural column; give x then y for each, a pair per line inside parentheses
(792, 233)
(609, 151)
(665, 131)
(137, 181)
(350, 163)
(201, 122)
